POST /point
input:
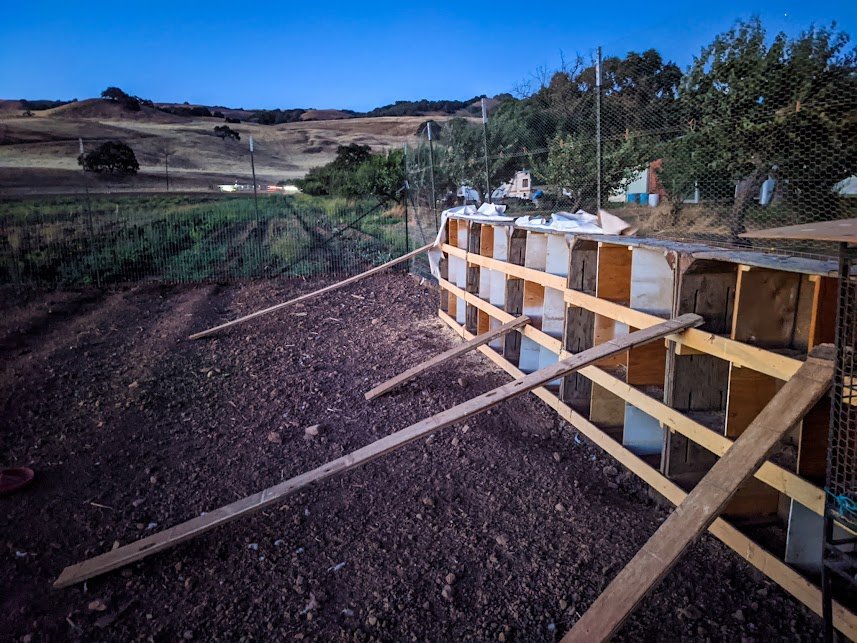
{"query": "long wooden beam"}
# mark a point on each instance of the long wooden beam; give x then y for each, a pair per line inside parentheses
(316, 293)
(776, 476)
(452, 353)
(766, 562)
(163, 540)
(704, 504)
(740, 354)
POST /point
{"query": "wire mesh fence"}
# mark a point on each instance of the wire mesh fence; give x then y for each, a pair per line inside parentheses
(103, 240)
(755, 133)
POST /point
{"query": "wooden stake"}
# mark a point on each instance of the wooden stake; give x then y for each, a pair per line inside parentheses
(461, 349)
(192, 528)
(322, 291)
(702, 505)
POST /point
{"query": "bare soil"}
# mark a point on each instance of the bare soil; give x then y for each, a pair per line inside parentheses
(132, 428)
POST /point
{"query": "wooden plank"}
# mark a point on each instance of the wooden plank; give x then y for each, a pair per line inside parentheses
(765, 307)
(822, 327)
(461, 349)
(842, 230)
(749, 393)
(780, 366)
(773, 475)
(703, 505)
(192, 528)
(514, 290)
(774, 568)
(311, 295)
(474, 241)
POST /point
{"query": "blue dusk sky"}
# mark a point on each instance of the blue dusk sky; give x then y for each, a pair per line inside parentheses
(348, 55)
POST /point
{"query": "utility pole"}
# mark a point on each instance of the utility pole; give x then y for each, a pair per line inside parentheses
(167, 166)
(431, 174)
(598, 128)
(253, 170)
(485, 145)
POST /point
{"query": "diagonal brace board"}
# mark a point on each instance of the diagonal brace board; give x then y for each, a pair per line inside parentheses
(461, 349)
(185, 531)
(705, 503)
(315, 293)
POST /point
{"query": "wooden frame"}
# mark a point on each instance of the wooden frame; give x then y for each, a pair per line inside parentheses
(690, 421)
(769, 564)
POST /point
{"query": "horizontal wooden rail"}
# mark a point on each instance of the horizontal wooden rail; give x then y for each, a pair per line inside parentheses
(774, 568)
(740, 354)
(777, 477)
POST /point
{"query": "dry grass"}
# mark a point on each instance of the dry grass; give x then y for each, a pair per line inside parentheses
(39, 154)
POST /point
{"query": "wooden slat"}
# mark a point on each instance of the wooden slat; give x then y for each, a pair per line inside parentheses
(702, 505)
(841, 230)
(192, 528)
(779, 478)
(773, 567)
(316, 293)
(461, 349)
(779, 366)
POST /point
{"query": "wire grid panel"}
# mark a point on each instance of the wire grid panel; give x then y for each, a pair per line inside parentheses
(757, 132)
(114, 239)
(842, 462)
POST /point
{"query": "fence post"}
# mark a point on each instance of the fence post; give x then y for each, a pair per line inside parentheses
(90, 223)
(431, 175)
(598, 129)
(485, 148)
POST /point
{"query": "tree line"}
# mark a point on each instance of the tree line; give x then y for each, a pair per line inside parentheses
(747, 109)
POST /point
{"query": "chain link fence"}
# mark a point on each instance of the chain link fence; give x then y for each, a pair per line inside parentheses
(755, 133)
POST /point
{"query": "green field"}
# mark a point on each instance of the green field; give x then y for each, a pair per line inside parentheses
(72, 241)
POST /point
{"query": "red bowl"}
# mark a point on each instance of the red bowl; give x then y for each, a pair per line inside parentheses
(15, 478)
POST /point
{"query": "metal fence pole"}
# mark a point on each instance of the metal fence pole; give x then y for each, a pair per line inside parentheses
(90, 224)
(431, 175)
(253, 170)
(485, 147)
(598, 129)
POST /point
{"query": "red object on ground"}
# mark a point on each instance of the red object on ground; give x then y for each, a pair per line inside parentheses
(15, 478)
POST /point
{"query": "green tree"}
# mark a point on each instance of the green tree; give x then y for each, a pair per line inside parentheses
(751, 107)
(115, 94)
(224, 132)
(112, 157)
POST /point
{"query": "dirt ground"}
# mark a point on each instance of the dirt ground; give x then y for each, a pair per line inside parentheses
(132, 428)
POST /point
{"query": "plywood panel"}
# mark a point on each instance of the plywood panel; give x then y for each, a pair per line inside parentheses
(537, 248)
(557, 259)
(749, 392)
(766, 307)
(613, 280)
(652, 281)
(823, 324)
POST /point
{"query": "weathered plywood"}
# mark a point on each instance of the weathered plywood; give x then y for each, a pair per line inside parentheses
(766, 307)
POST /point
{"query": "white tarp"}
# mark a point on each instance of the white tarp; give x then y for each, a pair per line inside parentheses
(564, 222)
(580, 222)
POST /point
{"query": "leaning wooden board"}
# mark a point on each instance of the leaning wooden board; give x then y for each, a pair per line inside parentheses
(702, 505)
(315, 293)
(461, 349)
(185, 531)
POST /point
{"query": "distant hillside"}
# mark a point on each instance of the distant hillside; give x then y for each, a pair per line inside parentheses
(148, 110)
